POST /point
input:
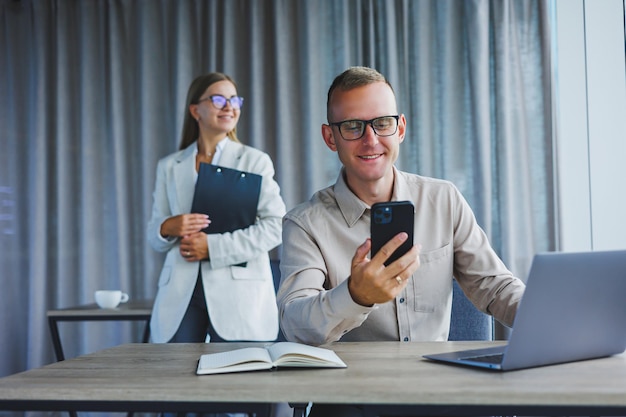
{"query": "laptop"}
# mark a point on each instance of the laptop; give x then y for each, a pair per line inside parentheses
(574, 308)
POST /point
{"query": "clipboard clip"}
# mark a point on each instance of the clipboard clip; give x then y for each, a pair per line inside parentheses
(242, 174)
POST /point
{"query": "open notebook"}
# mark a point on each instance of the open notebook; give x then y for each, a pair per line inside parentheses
(574, 308)
(276, 355)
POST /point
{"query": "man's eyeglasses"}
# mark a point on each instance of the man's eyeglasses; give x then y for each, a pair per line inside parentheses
(219, 101)
(355, 129)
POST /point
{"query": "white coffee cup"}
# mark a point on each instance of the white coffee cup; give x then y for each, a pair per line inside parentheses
(110, 298)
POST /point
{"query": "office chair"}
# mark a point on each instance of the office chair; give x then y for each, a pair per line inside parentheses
(467, 322)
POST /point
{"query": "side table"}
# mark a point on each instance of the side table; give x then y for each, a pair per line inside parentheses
(140, 310)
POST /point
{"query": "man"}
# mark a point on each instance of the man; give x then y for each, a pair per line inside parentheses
(331, 290)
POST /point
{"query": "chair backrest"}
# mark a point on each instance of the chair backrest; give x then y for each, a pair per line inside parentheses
(275, 264)
(467, 322)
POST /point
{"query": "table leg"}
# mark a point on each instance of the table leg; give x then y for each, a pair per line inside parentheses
(146, 332)
(299, 409)
(58, 348)
(56, 339)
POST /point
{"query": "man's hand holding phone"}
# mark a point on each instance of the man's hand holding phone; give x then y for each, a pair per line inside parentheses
(371, 280)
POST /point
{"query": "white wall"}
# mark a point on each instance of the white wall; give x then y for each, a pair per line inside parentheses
(590, 100)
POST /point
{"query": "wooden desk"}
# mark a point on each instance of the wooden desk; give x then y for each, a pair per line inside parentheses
(383, 375)
(130, 311)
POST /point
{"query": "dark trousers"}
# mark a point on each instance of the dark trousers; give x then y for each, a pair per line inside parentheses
(196, 322)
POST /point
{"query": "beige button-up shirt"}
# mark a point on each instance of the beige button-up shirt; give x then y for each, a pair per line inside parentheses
(321, 236)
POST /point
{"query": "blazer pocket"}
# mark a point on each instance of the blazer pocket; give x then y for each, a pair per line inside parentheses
(166, 274)
(432, 282)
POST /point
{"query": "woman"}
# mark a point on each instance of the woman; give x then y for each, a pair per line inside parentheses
(216, 287)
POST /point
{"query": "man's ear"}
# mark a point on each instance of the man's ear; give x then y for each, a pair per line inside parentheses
(401, 128)
(329, 137)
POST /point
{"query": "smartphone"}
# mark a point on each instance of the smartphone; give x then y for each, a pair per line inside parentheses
(389, 219)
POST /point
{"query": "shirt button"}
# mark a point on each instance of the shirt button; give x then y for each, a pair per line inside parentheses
(406, 339)
(402, 300)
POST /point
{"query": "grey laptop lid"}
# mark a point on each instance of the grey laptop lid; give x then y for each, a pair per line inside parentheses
(574, 308)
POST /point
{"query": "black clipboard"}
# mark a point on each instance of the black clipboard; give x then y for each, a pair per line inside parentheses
(228, 196)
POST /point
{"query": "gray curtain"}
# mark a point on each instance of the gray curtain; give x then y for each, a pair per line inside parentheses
(92, 95)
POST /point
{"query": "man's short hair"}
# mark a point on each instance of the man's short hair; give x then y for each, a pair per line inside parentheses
(351, 78)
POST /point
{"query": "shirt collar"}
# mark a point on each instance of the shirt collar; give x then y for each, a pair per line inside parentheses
(353, 208)
(401, 190)
(220, 145)
(219, 148)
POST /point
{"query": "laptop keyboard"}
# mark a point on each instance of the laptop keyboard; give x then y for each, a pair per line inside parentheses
(497, 358)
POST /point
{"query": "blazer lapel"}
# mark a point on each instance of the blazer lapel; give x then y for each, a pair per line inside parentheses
(231, 155)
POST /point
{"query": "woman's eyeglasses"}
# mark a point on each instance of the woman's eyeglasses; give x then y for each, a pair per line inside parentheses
(219, 101)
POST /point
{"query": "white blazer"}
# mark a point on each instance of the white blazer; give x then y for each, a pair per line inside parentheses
(241, 300)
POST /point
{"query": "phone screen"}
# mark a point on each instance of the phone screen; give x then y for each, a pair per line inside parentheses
(389, 219)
